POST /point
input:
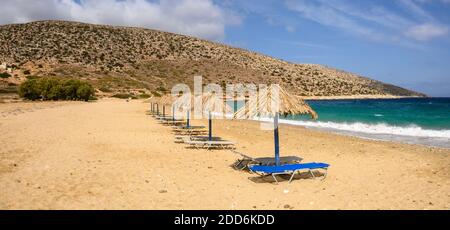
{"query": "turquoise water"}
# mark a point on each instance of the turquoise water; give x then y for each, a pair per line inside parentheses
(428, 113)
(423, 121)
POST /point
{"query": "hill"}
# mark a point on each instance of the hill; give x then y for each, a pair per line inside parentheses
(124, 59)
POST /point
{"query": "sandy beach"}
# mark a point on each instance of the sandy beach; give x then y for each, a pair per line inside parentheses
(110, 155)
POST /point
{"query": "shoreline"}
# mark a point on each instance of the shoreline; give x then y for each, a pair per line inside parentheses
(358, 97)
(430, 141)
(382, 140)
(347, 133)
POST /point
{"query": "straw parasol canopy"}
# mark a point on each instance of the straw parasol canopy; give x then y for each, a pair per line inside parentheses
(161, 101)
(207, 102)
(274, 100)
(215, 103)
(211, 103)
(153, 101)
(182, 104)
(166, 99)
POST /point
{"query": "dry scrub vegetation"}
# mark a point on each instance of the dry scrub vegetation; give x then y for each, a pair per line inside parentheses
(134, 60)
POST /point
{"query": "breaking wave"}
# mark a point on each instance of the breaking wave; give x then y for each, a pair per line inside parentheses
(380, 131)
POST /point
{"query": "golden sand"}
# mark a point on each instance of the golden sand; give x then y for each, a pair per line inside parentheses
(110, 155)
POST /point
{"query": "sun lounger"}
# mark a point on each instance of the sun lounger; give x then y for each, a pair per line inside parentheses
(182, 139)
(247, 161)
(164, 117)
(191, 131)
(148, 112)
(153, 114)
(197, 138)
(205, 138)
(173, 122)
(190, 127)
(288, 169)
(222, 144)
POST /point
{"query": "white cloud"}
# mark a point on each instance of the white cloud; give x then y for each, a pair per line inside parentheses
(426, 32)
(201, 18)
(338, 15)
(411, 7)
(373, 21)
(430, 1)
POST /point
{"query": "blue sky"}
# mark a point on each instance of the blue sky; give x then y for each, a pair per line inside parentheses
(403, 42)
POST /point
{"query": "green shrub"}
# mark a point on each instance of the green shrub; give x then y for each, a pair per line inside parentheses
(30, 90)
(49, 88)
(56, 93)
(70, 88)
(85, 91)
(144, 96)
(5, 75)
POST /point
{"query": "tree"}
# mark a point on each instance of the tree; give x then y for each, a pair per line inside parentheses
(85, 91)
(30, 90)
(50, 88)
(56, 89)
(70, 88)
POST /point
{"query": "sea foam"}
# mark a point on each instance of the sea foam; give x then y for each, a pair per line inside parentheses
(380, 131)
(379, 128)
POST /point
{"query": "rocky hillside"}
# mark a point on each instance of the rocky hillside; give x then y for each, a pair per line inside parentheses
(149, 61)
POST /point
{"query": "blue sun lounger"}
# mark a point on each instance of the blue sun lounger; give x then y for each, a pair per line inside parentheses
(289, 169)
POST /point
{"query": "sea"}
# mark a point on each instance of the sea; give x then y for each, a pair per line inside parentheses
(424, 121)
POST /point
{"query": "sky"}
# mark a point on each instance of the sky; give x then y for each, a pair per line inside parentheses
(402, 42)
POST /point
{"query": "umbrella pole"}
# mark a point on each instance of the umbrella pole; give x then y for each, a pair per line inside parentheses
(151, 107)
(234, 107)
(164, 111)
(173, 114)
(210, 127)
(157, 109)
(276, 139)
(187, 122)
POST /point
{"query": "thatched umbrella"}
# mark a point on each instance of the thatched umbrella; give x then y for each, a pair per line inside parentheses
(166, 100)
(214, 103)
(150, 99)
(211, 103)
(184, 102)
(154, 101)
(275, 101)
